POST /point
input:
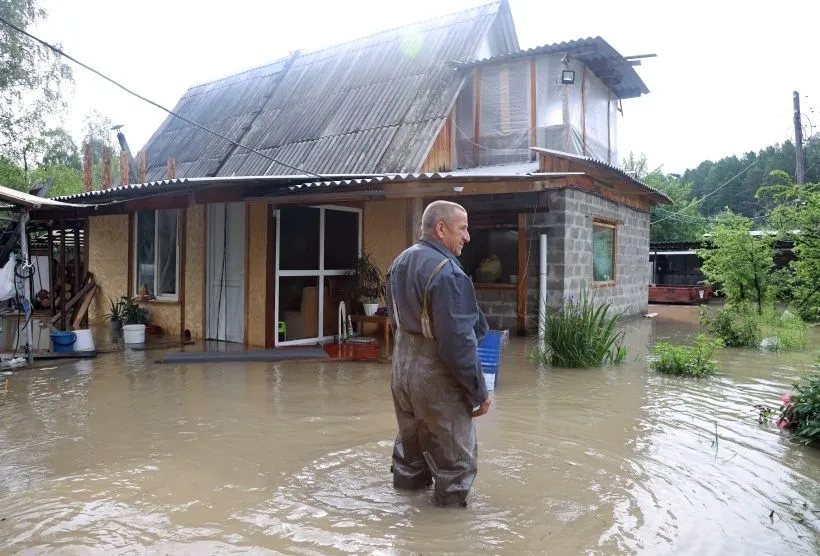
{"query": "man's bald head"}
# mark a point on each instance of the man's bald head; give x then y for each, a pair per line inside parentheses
(439, 211)
(447, 222)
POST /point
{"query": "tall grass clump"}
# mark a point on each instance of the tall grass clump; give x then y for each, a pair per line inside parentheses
(686, 361)
(581, 333)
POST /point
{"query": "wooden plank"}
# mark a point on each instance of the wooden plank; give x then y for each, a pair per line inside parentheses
(80, 314)
(205, 284)
(584, 111)
(106, 168)
(131, 252)
(271, 324)
(142, 167)
(61, 316)
(51, 274)
(182, 237)
(533, 105)
(172, 169)
(62, 275)
(87, 167)
(522, 274)
(247, 285)
(477, 114)
(124, 177)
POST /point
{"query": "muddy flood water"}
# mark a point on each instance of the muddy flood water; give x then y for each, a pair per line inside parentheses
(120, 455)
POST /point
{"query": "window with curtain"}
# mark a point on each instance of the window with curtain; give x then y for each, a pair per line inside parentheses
(157, 254)
(603, 252)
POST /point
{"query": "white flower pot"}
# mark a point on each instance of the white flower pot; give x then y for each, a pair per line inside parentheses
(370, 308)
(133, 333)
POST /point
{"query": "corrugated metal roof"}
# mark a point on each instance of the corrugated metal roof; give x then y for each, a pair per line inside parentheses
(604, 166)
(370, 105)
(597, 54)
(16, 198)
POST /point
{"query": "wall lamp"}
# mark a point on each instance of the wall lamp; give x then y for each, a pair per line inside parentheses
(567, 77)
(458, 188)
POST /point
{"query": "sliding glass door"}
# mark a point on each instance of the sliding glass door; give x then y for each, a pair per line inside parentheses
(315, 248)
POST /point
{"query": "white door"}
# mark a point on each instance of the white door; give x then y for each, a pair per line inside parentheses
(225, 303)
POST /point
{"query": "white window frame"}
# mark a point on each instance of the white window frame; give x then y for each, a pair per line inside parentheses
(319, 274)
(162, 297)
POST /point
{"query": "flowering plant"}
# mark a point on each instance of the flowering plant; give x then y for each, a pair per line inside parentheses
(801, 409)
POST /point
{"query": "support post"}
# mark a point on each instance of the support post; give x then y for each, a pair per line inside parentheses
(142, 168)
(542, 288)
(106, 168)
(26, 292)
(124, 170)
(799, 174)
(172, 169)
(63, 299)
(87, 167)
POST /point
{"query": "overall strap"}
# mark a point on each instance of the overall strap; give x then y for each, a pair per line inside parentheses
(426, 327)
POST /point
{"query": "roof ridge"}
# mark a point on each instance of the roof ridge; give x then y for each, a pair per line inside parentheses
(299, 52)
(477, 8)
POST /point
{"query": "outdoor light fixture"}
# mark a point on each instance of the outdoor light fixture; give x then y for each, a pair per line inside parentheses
(567, 77)
(458, 188)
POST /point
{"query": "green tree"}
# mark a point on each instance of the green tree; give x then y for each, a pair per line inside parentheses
(32, 79)
(796, 215)
(740, 262)
(59, 149)
(680, 221)
(12, 175)
(64, 180)
(99, 135)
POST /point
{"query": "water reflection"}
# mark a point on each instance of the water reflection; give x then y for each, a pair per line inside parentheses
(119, 454)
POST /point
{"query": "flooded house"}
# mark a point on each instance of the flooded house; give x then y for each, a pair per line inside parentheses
(259, 195)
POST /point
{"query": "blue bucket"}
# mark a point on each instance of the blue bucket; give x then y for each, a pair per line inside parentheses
(63, 342)
(489, 353)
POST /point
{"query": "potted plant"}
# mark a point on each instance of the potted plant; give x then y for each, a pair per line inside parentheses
(115, 316)
(367, 283)
(134, 319)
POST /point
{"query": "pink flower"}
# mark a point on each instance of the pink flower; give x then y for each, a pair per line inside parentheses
(783, 423)
(787, 400)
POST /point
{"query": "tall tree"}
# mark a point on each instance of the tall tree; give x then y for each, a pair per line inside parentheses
(32, 79)
(739, 261)
(680, 221)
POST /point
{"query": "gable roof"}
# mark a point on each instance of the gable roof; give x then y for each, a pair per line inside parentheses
(371, 105)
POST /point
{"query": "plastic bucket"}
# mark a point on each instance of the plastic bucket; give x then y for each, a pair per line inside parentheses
(133, 333)
(85, 342)
(63, 342)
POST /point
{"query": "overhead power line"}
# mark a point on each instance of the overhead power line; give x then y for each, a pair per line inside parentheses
(700, 200)
(151, 102)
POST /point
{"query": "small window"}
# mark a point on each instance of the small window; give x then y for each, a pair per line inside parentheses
(157, 254)
(603, 252)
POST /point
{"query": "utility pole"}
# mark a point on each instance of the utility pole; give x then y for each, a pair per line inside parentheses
(799, 174)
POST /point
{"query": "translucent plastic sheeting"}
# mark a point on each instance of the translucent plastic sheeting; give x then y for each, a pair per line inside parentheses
(578, 118)
(504, 120)
(465, 126)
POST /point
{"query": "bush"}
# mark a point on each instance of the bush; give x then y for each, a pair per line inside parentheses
(581, 333)
(737, 325)
(801, 409)
(682, 360)
(740, 325)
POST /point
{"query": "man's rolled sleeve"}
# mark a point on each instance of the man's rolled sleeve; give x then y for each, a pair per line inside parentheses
(454, 315)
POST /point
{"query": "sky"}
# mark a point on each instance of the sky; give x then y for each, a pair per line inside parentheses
(721, 83)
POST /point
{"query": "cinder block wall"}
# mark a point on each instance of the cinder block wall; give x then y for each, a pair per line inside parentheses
(568, 226)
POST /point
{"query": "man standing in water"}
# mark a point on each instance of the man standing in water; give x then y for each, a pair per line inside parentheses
(437, 381)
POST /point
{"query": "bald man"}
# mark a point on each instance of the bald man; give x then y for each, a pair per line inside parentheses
(437, 381)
